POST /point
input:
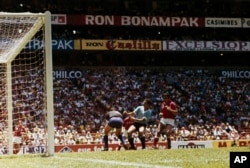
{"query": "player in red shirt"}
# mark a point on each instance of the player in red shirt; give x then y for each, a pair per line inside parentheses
(127, 122)
(168, 111)
(18, 136)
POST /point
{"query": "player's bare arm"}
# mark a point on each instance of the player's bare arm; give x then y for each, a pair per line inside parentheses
(129, 113)
(174, 111)
(138, 120)
(160, 114)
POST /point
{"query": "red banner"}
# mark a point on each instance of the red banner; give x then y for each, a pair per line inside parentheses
(59, 19)
(150, 21)
(99, 147)
(158, 21)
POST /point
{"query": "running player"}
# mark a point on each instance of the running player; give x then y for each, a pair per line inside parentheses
(168, 112)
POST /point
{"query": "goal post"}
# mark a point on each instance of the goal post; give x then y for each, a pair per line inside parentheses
(26, 84)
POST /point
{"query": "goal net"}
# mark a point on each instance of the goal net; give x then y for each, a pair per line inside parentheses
(26, 92)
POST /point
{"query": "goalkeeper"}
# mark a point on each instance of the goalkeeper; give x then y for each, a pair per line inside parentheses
(115, 120)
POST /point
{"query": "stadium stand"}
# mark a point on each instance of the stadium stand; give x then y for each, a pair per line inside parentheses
(211, 106)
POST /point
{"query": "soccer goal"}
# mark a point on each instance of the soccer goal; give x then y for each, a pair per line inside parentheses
(26, 85)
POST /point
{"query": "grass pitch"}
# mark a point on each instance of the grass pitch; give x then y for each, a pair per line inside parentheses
(174, 158)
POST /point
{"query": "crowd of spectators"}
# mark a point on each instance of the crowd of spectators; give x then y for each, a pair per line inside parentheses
(209, 106)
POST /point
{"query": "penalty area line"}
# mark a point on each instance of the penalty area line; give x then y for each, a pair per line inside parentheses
(113, 162)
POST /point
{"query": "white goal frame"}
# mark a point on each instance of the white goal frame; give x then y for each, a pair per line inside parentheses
(45, 22)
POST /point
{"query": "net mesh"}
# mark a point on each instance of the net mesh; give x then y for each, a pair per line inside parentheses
(26, 83)
(13, 31)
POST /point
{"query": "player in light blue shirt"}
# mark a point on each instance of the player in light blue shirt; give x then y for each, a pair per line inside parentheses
(140, 117)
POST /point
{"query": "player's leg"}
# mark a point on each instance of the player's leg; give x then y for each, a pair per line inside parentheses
(168, 133)
(16, 144)
(107, 129)
(131, 130)
(160, 128)
(142, 136)
(120, 137)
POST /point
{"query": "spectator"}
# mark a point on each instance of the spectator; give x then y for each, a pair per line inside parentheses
(184, 133)
(71, 141)
(89, 137)
(217, 132)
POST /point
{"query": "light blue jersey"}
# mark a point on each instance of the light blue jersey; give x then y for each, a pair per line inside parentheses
(140, 113)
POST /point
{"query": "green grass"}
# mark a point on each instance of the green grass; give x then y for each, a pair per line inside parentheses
(185, 158)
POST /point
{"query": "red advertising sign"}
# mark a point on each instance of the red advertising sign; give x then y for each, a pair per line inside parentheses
(99, 147)
(150, 21)
(112, 20)
(58, 19)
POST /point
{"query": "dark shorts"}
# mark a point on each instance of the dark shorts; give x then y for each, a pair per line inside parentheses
(115, 122)
(138, 125)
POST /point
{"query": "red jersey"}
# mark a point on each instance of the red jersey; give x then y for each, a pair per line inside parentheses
(166, 113)
(19, 130)
(127, 123)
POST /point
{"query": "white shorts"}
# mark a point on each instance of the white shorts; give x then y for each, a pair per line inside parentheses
(125, 132)
(168, 121)
(17, 140)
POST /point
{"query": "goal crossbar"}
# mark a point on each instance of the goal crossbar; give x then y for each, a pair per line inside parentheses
(18, 44)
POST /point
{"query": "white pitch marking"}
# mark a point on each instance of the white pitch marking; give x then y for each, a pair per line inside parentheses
(195, 160)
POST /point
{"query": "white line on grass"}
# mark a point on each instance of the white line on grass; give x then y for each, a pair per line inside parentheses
(194, 160)
(118, 162)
